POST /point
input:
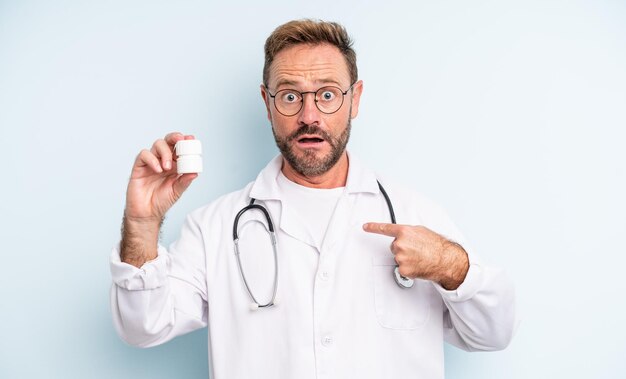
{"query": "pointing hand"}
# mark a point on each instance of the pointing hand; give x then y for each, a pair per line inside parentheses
(422, 253)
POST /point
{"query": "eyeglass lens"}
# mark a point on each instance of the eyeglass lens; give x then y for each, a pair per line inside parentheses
(327, 99)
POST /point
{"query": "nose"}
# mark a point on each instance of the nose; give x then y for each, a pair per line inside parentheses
(309, 114)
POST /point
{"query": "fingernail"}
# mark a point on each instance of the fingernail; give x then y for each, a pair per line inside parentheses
(168, 165)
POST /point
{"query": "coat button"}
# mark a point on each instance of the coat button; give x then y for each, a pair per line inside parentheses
(327, 341)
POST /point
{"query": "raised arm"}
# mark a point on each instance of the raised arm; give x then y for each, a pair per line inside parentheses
(153, 188)
(157, 294)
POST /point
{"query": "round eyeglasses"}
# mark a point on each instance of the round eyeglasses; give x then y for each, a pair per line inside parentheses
(328, 100)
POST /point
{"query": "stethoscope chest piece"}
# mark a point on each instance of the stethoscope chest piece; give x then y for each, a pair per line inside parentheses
(401, 280)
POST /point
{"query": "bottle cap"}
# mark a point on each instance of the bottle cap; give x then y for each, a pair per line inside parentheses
(188, 146)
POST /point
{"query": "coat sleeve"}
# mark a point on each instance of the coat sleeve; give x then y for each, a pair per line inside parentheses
(480, 315)
(166, 297)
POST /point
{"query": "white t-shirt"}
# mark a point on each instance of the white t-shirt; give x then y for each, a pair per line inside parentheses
(314, 206)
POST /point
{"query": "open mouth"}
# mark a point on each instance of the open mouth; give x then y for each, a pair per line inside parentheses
(310, 140)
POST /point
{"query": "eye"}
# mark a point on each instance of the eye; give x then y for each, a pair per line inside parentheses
(289, 97)
(328, 94)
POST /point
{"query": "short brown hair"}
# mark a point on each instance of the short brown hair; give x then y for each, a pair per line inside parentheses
(312, 32)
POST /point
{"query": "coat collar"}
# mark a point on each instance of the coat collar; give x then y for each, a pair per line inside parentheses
(360, 179)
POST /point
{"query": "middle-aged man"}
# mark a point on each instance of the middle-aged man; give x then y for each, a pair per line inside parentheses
(328, 302)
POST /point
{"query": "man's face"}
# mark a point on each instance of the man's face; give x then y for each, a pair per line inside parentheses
(311, 141)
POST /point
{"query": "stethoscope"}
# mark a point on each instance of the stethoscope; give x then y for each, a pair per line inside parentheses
(402, 281)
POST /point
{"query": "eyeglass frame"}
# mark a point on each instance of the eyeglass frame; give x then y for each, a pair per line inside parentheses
(343, 98)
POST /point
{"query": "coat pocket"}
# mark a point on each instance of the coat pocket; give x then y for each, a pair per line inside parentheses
(396, 307)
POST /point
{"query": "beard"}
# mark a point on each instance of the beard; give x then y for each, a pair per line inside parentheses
(309, 164)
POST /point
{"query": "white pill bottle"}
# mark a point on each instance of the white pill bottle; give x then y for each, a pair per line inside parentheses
(188, 156)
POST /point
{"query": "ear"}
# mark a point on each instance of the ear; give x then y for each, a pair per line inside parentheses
(357, 90)
(266, 98)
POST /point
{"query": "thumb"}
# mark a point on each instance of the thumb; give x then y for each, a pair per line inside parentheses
(390, 230)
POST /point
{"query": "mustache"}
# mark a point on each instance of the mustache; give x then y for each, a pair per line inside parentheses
(311, 130)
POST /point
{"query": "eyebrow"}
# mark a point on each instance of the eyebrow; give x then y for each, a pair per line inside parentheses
(287, 82)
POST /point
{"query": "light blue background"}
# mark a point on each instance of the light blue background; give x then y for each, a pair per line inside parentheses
(509, 114)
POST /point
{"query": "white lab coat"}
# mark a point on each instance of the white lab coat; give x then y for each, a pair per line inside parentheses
(340, 313)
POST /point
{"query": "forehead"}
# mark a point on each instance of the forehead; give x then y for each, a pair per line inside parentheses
(303, 65)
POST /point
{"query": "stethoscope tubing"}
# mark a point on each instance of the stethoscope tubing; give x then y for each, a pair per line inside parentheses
(272, 234)
(402, 281)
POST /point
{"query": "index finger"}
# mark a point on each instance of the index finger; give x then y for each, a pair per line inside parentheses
(172, 138)
(390, 230)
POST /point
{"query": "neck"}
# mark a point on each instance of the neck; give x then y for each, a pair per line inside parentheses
(333, 178)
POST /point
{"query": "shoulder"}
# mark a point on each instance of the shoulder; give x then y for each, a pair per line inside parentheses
(415, 208)
(406, 196)
(223, 205)
(362, 179)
